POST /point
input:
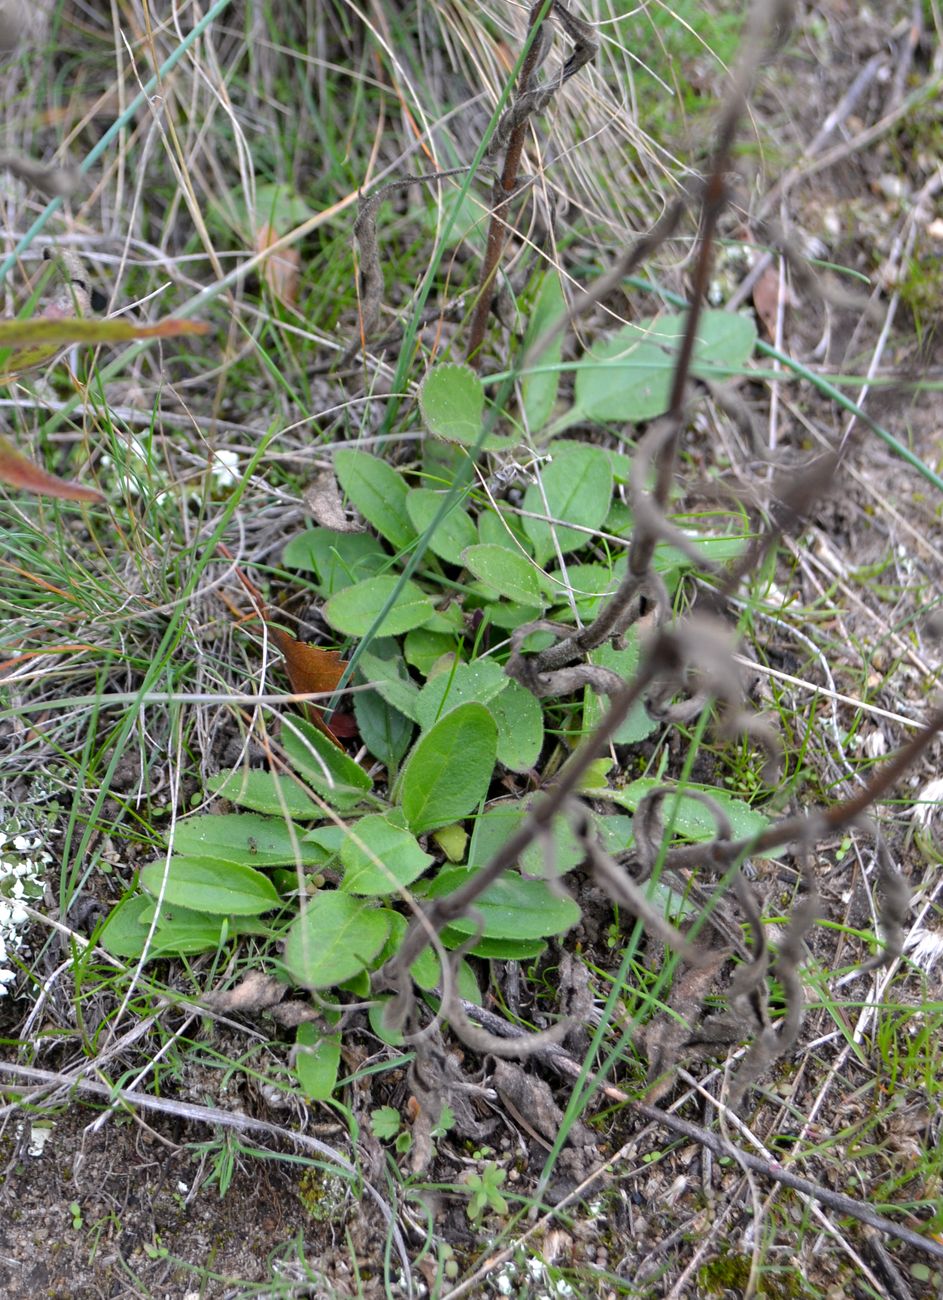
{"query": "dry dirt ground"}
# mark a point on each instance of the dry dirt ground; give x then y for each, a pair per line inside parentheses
(129, 1209)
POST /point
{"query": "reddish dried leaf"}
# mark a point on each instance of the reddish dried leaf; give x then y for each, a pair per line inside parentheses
(310, 669)
(766, 299)
(19, 472)
(281, 269)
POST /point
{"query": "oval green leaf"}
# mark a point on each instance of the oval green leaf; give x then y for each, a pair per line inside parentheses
(520, 723)
(452, 533)
(378, 492)
(452, 402)
(322, 765)
(574, 488)
(690, 818)
(124, 933)
(507, 573)
(317, 1059)
(222, 888)
(335, 938)
(353, 610)
(265, 792)
(337, 559)
(482, 680)
(380, 857)
(450, 769)
(511, 908)
(250, 840)
(541, 377)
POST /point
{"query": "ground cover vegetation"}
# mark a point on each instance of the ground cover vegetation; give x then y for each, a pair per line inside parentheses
(469, 767)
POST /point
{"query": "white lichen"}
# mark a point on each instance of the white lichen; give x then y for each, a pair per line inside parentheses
(924, 947)
(24, 860)
(928, 804)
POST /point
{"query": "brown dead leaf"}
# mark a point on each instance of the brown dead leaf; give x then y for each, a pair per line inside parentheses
(255, 993)
(280, 270)
(323, 499)
(766, 299)
(311, 670)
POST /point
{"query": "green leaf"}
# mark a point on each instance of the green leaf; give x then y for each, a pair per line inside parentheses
(588, 585)
(380, 857)
(616, 833)
(520, 722)
(639, 723)
(539, 385)
(502, 528)
(337, 559)
(250, 840)
(450, 769)
(378, 492)
(123, 933)
(511, 907)
(327, 769)
(385, 1122)
(718, 550)
(265, 792)
(427, 973)
(223, 888)
(452, 534)
(353, 610)
(507, 572)
(565, 852)
(276, 204)
(691, 818)
(495, 949)
(452, 840)
(482, 681)
(317, 1059)
(628, 377)
(182, 932)
(383, 729)
(452, 402)
(576, 489)
(423, 648)
(334, 938)
(375, 1017)
(381, 664)
(328, 839)
(493, 828)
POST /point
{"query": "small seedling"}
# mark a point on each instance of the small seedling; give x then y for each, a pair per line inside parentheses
(484, 1193)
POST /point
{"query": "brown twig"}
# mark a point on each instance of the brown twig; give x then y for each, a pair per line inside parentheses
(507, 182)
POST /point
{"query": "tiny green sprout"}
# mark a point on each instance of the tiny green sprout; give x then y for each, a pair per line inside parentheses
(385, 1122)
(76, 1211)
(484, 1194)
(445, 1121)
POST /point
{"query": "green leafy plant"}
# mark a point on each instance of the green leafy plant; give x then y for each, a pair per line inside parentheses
(321, 857)
(484, 1191)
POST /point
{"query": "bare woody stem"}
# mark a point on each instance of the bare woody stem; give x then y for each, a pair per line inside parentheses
(507, 183)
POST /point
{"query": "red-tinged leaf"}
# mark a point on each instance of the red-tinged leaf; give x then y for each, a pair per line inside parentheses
(344, 725)
(33, 342)
(766, 299)
(281, 269)
(17, 471)
(310, 669)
